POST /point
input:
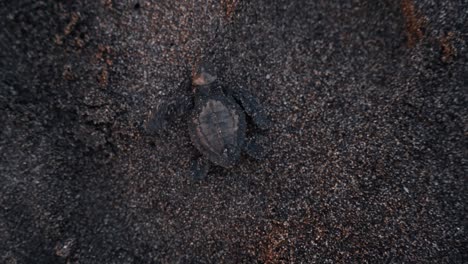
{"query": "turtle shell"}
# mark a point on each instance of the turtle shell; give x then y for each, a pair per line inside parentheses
(217, 129)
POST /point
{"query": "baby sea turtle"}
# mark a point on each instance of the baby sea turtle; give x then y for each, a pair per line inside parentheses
(217, 123)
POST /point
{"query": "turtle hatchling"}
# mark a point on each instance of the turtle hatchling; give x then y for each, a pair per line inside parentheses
(217, 121)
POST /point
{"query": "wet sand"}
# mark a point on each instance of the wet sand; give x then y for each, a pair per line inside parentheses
(366, 156)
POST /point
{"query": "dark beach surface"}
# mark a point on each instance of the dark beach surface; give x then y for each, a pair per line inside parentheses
(367, 159)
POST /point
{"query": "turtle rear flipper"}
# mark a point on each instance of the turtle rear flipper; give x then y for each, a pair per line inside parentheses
(254, 149)
(200, 168)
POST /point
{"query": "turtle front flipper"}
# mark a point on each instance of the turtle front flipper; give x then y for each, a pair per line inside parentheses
(166, 112)
(179, 104)
(251, 107)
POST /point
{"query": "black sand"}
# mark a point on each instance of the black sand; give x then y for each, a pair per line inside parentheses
(368, 153)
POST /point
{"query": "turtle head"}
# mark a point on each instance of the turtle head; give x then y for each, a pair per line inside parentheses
(203, 78)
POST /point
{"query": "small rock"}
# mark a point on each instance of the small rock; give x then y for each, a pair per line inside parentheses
(63, 249)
